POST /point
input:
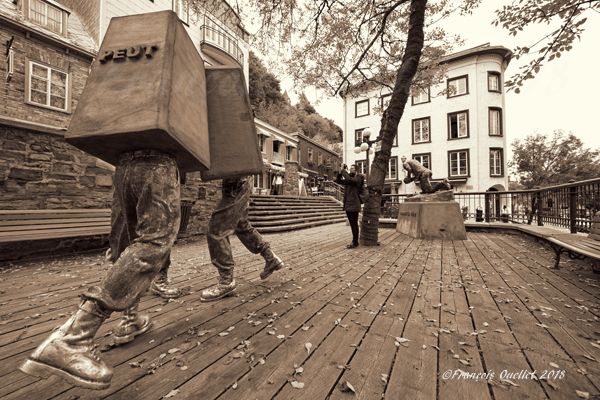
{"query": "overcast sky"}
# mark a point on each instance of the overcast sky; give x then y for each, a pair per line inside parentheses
(564, 95)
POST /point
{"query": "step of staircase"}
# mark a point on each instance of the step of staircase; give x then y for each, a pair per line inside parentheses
(286, 213)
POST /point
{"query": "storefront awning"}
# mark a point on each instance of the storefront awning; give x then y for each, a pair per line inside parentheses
(277, 168)
(311, 172)
(302, 175)
(263, 132)
(289, 144)
(276, 139)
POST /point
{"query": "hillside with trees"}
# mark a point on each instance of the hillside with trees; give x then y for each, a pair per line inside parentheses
(274, 107)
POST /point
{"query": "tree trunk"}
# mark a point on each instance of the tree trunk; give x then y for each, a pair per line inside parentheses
(389, 123)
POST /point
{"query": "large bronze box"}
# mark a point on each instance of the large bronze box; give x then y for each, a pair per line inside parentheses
(146, 90)
(234, 150)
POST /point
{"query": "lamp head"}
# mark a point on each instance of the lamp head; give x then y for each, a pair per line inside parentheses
(364, 146)
(366, 133)
(357, 150)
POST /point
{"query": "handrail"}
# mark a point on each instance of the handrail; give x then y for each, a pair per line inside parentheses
(571, 205)
(231, 48)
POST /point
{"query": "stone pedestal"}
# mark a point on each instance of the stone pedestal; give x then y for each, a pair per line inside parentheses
(431, 220)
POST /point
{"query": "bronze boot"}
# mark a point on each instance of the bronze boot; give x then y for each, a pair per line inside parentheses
(272, 263)
(131, 325)
(161, 286)
(69, 352)
(224, 288)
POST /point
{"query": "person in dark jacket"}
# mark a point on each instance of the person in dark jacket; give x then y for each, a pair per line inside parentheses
(353, 184)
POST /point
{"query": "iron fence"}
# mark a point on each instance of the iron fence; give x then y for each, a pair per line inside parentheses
(570, 205)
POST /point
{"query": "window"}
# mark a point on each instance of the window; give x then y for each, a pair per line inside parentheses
(275, 146)
(458, 86)
(47, 87)
(493, 82)
(10, 65)
(392, 172)
(310, 156)
(358, 137)
(495, 117)
(496, 162)
(362, 108)
(328, 165)
(361, 167)
(182, 9)
(385, 101)
(458, 125)
(424, 159)
(421, 130)
(258, 181)
(421, 97)
(288, 153)
(320, 159)
(458, 163)
(261, 142)
(47, 16)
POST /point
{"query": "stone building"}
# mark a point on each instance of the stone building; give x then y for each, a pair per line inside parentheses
(317, 162)
(280, 156)
(460, 135)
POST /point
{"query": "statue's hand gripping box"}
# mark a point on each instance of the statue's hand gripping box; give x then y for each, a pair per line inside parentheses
(146, 90)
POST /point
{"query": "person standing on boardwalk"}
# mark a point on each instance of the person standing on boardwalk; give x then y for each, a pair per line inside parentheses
(353, 183)
(231, 216)
(145, 219)
(416, 171)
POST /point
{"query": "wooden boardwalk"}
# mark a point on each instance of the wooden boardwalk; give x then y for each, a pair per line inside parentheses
(399, 321)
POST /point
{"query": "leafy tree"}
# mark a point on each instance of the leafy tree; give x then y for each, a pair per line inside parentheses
(281, 115)
(543, 160)
(264, 87)
(571, 14)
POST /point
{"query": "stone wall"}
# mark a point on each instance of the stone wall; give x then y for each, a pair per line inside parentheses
(41, 171)
(290, 179)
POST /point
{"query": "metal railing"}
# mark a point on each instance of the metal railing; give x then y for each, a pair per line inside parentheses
(570, 205)
(334, 190)
(278, 158)
(223, 41)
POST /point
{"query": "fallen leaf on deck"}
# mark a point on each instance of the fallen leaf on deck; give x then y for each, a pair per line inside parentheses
(298, 370)
(582, 371)
(271, 332)
(280, 336)
(435, 347)
(589, 357)
(172, 393)
(508, 382)
(297, 385)
(552, 384)
(384, 377)
(402, 340)
(554, 365)
(308, 347)
(306, 328)
(346, 387)
(234, 386)
(171, 351)
(595, 345)
(223, 333)
(498, 330)
(583, 395)
(486, 324)
(542, 325)
(230, 328)
(424, 347)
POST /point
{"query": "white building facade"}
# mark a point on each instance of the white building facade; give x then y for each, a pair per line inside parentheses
(460, 135)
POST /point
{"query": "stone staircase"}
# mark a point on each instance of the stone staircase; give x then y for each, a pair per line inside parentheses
(286, 213)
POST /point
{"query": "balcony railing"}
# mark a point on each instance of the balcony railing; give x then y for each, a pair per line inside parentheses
(223, 41)
(570, 206)
(278, 158)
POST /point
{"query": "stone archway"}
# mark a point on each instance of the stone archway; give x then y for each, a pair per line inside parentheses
(494, 203)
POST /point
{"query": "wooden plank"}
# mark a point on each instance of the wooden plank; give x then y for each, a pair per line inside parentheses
(501, 351)
(542, 346)
(455, 317)
(26, 229)
(55, 233)
(52, 221)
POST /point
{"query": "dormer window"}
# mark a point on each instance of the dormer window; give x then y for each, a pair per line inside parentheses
(47, 16)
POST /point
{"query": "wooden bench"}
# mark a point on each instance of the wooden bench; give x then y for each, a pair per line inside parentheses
(20, 225)
(579, 247)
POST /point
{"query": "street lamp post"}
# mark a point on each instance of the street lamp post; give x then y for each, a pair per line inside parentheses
(366, 145)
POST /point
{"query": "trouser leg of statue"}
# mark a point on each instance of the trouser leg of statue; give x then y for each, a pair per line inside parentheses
(161, 285)
(145, 221)
(426, 186)
(230, 217)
